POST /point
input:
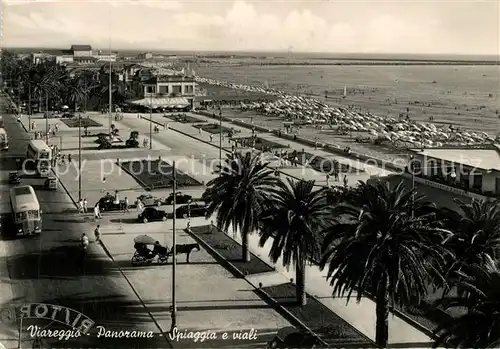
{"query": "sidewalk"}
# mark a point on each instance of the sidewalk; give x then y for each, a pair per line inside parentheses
(361, 315)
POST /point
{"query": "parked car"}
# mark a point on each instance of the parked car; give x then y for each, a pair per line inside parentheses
(149, 200)
(180, 198)
(195, 209)
(151, 214)
(290, 337)
(14, 177)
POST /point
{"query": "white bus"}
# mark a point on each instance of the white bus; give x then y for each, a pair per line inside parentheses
(4, 141)
(39, 156)
(26, 213)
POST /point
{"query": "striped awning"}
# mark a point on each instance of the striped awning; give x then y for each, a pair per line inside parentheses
(174, 102)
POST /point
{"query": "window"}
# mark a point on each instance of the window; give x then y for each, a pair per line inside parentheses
(188, 89)
(20, 216)
(150, 89)
(33, 214)
(22, 191)
(163, 89)
(176, 89)
(44, 155)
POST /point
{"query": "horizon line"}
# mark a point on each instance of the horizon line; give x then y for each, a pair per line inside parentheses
(283, 51)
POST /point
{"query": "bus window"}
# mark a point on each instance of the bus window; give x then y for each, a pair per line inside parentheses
(20, 216)
(33, 214)
(44, 155)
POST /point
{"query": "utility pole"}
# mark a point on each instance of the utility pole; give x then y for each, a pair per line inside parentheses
(151, 120)
(220, 139)
(109, 88)
(29, 105)
(174, 250)
(19, 96)
(46, 116)
(79, 157)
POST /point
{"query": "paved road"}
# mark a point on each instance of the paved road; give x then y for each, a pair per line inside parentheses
(52, 269)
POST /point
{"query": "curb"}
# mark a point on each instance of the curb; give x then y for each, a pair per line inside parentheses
(110, 256)
(266, 297)
(65, 189)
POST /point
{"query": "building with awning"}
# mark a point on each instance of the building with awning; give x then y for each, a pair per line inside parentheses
(175, 91)
(156, 102)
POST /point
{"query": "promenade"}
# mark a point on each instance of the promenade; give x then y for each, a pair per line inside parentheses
(182, 139)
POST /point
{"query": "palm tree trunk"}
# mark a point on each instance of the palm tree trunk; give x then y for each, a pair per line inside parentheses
(382, 312)
(244, 248)
(300, 278)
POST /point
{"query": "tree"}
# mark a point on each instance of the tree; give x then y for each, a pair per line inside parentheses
(377, 246)
(294, 218)
(476, 235)
(479, 303)
(239, 193)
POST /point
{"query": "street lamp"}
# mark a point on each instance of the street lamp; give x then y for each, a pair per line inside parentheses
(189, 213)
(79, 157)
(220, 139)
(151, 121)
(46, 117)
(412, 169)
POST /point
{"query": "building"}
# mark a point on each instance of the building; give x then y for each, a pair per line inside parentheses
(41, 57)
(166, 91)
(146, 55)
(81, 50)
(475, 168)
(85, 59)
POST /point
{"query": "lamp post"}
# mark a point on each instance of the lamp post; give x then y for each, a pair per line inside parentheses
(151, 121)
(174, 249)
(412, 186)
(46, 116)
(79, 157)
(189, 213)
(220, 139)
(29, 105)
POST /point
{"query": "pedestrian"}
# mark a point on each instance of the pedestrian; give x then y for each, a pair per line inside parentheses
(139, 205)
(84, 240)
(199, 130)
(33, 125)
(345, 181)
(211, 138)
(166, 126)
(69, 158)
(80, 206)
(125, 205)
(97, 212)
(85, 205)
(97, 233)
(56, 128)
(327, 179)
(54, 132)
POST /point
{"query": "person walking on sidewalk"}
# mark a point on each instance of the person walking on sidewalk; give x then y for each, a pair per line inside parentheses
(97, 233)
(327, 179)
(84, 240)
(345, 181)
(125, 205)
(85, 205)
(80, 206)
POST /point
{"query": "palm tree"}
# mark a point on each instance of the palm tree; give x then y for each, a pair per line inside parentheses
(476, 234)
(239, 193)
(479, 304)
(294, 218)
(377, 246)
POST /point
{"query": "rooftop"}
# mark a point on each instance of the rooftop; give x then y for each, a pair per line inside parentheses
(169, 78)
(486, 158)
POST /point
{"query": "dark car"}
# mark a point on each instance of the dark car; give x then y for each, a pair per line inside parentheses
(151, 214)
(107, 203)
(149, 200)
(194, 209)
(290, 337)
(14, 178)
(180, 198)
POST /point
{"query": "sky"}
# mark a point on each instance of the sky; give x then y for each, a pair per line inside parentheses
(470, 27)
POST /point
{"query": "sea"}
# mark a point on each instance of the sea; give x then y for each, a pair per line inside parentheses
(465, 95)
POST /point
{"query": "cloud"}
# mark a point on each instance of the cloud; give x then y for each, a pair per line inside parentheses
(262, 26)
